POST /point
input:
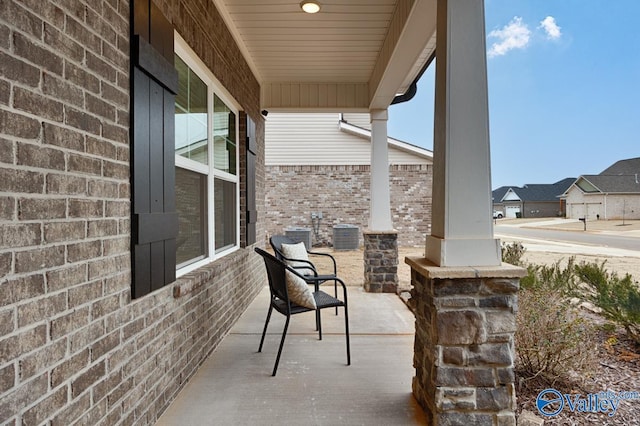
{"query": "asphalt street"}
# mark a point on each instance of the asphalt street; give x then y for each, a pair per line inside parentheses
(573, 237)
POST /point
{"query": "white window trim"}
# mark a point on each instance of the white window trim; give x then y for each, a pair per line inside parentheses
(183, 50)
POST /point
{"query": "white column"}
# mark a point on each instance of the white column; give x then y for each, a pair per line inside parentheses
(462, 227)
(380, 212)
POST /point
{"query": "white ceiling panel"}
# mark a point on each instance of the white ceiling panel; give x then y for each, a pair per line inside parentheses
(347, 42)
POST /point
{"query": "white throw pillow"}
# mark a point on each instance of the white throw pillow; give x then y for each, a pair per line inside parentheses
(299, 252)
(299, 291)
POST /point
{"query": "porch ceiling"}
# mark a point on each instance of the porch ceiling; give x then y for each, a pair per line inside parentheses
(354, 55)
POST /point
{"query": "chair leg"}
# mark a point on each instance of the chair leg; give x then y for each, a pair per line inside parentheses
(284, 334)
(335, 292)
(317, 289)
(346, 331)
(319, 320)
(264, 331)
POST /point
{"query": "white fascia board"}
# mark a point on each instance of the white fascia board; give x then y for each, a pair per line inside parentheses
(417, 35)
(403, 146)
(510, 191)
(573, 185)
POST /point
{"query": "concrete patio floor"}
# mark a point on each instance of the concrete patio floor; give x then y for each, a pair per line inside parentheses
(314, 386)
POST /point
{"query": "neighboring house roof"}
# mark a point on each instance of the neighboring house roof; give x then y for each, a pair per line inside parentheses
(532, 192)
(498, 194)
(546, 192)
(622, 177)
(629, 166)
(611, 184)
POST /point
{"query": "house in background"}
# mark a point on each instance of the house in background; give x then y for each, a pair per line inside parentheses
(532, 200)
(612, 194)
(334, 152)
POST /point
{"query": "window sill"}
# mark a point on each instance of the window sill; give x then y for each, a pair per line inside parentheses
(191, 281)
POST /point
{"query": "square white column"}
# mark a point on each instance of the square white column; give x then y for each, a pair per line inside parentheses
(380, 212)
(462, 226)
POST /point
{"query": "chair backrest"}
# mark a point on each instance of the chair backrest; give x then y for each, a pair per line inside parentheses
(277, 241)
(276, 275)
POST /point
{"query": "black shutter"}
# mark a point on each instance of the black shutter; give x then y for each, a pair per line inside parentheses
(252, 150)
(154, 83)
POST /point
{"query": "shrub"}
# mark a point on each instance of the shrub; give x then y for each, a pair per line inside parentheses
(554, 276)
(619, 298)
(552, 340)
(512, 253)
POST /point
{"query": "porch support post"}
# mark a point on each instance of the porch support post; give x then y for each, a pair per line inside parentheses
(462, 225)
(380, 214)
(464, 348)
(464, 298)
(380, 240)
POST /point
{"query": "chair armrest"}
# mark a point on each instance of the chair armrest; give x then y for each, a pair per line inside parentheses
(317, 281)
(335, 267)
(311, 266)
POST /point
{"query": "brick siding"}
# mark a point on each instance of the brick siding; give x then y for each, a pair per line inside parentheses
(74, 347)
(341, 193)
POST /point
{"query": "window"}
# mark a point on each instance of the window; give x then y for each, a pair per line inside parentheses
(206, 156)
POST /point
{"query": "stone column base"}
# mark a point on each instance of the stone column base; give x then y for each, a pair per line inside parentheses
(464, 348)
(380, 262)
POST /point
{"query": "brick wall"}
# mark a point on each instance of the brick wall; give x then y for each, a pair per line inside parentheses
(74, 347)
(341, 193)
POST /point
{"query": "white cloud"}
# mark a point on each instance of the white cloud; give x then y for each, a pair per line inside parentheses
(514, 35)
(550, 27)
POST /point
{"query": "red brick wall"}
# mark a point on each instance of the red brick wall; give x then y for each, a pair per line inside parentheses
(341, 193)
(74, 347)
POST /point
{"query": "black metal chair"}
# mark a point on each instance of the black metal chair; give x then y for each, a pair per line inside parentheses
(305, 266)
(279, 300)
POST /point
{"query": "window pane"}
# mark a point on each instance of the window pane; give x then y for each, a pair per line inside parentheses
(225, 213)
(191, 114)
(224, 137)
(191, 205)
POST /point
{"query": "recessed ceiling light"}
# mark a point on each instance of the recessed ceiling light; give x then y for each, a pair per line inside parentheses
(310, 6)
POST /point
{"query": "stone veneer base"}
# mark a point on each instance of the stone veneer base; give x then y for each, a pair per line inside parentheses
(380, 262)
(464, 344)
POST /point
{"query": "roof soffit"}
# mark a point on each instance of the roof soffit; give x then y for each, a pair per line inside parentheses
(354, 55)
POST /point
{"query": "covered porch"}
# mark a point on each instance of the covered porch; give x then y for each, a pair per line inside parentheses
(103, 323)
(361, 57)
(313, 386)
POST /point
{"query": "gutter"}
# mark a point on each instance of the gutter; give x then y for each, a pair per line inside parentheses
(413, 87)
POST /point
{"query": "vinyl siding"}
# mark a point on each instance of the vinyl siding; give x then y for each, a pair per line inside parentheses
(315, 139)
(360, 120)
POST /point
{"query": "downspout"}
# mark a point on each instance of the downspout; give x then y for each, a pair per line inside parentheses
(413, 87)
(605, 206)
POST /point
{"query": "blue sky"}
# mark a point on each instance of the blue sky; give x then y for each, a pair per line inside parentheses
(564, 89)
